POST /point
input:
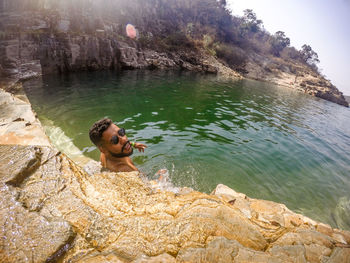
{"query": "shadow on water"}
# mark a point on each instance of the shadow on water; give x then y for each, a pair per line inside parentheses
(268, 142)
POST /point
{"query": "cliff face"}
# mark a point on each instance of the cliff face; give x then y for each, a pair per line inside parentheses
(68, 53)
(31, 45)
(47, 37)
(52, 209)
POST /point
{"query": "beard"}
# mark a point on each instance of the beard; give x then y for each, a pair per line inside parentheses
(122, 154)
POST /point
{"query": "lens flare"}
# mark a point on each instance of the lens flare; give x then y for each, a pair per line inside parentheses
(131, 31)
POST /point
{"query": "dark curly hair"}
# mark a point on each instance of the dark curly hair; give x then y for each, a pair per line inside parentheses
(97, 129)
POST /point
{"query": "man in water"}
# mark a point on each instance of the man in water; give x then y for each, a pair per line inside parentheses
(114, 146)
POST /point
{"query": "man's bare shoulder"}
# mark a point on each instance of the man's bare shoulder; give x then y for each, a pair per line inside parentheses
(120, 168)
(125, 168)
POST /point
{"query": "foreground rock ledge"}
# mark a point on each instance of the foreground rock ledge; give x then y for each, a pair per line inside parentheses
(51, 209)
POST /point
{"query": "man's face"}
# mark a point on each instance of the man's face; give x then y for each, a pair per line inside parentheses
(115, 142)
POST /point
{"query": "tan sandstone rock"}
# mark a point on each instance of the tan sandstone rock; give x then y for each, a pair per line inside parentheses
(18, 122)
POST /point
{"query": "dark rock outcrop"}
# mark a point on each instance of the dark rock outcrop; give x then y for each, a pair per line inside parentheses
(64, 53)
(67, 54)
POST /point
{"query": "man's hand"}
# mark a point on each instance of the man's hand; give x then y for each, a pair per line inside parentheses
(140, 146)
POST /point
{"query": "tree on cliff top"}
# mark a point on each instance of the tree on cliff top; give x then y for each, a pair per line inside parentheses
(308, 55)
(250, 22)
(279, 41)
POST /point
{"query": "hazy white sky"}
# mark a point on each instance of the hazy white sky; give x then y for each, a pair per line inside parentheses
(322, 24)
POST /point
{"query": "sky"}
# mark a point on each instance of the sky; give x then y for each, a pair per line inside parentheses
(322, 24)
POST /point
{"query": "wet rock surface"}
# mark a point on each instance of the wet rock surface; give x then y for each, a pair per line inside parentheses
(26, 235)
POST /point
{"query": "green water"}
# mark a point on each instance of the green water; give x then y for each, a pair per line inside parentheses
(265, 141)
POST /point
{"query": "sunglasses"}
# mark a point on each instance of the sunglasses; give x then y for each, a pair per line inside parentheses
(115, 138)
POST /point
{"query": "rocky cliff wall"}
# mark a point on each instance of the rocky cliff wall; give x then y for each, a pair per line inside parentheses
(46, 42)
(53, 210)
(30, 43)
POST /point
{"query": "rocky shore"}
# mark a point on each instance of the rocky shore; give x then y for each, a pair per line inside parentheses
(54, 210)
